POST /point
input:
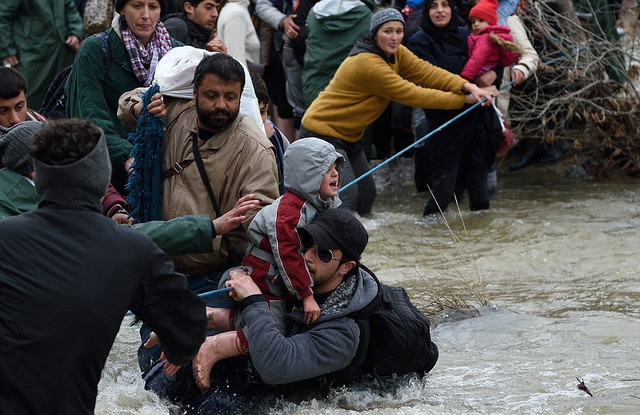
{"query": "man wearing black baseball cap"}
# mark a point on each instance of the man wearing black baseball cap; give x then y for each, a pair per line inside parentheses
(333, 346)
(337, 229)
(334, 243)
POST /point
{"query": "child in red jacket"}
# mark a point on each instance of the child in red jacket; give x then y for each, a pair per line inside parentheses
(490, 44)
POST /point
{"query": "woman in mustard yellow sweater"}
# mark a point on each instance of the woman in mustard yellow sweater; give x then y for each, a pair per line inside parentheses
(378, 70)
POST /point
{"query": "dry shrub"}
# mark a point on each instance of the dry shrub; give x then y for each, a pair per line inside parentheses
(589, 83)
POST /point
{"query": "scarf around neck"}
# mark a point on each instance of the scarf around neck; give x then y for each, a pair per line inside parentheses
(145, 58)
(368, 45)
(340, 298)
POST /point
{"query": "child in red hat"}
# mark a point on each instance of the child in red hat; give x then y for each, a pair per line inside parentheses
(490, 44)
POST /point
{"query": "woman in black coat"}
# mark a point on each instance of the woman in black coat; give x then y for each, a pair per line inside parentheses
(463, 151)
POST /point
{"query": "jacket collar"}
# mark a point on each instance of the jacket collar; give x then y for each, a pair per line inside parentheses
(367, 45)
(69, 198)
(196, 31)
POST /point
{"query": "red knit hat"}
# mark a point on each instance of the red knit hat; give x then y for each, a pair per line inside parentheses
(486, 10)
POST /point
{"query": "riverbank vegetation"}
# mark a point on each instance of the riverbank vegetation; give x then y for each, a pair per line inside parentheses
(585, 96)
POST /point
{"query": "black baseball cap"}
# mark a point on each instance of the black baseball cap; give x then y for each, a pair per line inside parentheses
(336, 229)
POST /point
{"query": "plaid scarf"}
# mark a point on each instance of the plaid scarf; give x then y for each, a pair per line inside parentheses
(144, 59)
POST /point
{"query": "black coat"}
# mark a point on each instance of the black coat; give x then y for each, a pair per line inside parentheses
(464, 149)
(68, 275)
(445, 55)
(186, 31)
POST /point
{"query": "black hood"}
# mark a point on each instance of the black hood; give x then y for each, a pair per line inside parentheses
(367, 45)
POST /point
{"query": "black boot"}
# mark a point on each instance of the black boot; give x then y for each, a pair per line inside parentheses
(554, 152)
(532, 151)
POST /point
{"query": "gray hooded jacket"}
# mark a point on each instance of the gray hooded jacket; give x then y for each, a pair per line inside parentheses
(272, 233)
(327, 346)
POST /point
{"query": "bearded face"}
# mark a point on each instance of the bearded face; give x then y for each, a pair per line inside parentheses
(217, 103)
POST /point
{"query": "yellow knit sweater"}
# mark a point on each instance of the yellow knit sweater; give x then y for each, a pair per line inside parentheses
(364, 84)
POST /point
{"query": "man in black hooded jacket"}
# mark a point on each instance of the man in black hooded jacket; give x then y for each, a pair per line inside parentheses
(69, 274)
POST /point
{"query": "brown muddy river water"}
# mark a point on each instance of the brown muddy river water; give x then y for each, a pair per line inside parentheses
(558, 261)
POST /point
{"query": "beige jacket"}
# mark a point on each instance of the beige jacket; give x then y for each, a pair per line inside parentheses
(528, 62)
(238, 161)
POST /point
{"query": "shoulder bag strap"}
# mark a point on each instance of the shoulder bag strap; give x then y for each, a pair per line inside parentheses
(203, 175)
(232, 258)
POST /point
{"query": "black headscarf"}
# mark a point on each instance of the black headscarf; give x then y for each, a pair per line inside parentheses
(449, 33)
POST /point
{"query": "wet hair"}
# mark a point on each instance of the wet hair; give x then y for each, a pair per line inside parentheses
(223, 66)
(11, 83)
(260, 88)
(64, 141)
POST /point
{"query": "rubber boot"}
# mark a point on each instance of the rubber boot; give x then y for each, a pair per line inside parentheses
(492, 180)
(554, 152)
(215, 348)
(532, 151)
(219, 319)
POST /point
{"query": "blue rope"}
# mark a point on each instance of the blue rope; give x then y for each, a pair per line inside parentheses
(145, 182)
(446, 124)
(426, 137)
(219, 292)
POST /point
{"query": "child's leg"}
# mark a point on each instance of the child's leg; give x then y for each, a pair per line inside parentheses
(215, 348)
(220, 319)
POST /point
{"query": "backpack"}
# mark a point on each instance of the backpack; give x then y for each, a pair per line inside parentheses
(53, 105)
(395, 339)
(399, 337)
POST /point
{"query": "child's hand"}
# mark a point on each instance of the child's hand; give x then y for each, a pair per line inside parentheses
(311, 309)
(486, 79)
(269, 129)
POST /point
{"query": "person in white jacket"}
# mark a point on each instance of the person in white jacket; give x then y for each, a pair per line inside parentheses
(236, 30)
(524, 67)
